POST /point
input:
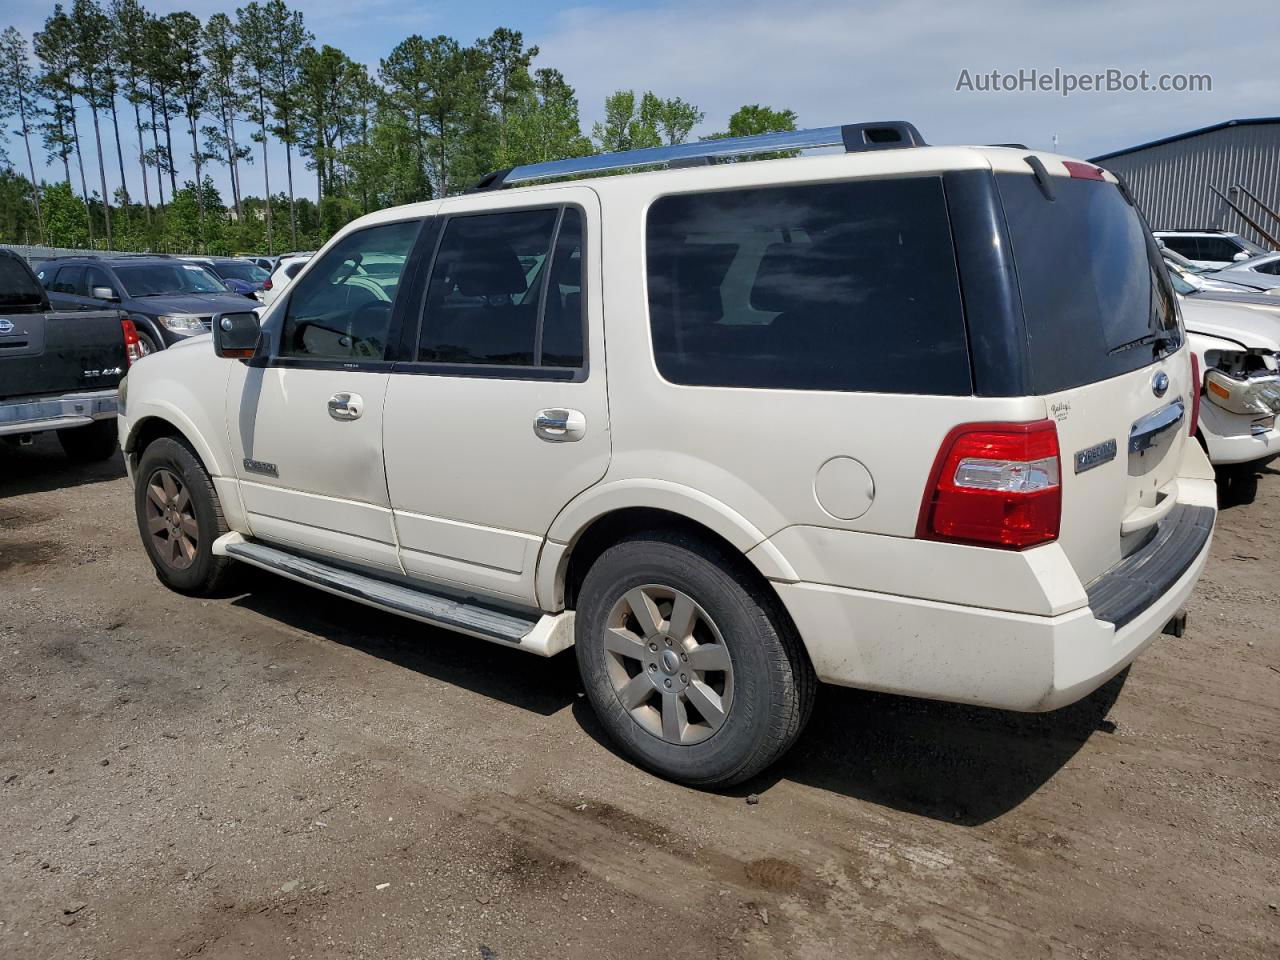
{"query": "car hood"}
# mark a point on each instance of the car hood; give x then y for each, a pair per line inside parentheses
(192, 304)
(1253, 328)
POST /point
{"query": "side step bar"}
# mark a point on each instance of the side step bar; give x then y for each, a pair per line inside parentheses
(545, 636)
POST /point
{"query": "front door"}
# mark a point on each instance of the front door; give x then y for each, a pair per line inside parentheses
(501, 417)
(306, 429)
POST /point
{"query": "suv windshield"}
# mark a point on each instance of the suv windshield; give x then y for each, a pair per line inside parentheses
(239, 270)
(157, 279)
(1095, 292)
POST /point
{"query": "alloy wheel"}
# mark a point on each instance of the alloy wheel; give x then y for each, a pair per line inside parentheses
(171, 519)
(668, 664)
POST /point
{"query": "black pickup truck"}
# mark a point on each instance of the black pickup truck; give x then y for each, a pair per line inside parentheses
(59, 370)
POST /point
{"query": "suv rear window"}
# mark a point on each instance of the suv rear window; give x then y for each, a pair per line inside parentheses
(842, 286)
(1092, 281)
(18, 287)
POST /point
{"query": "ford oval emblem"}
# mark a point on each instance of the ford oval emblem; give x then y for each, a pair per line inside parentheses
(1160, 384)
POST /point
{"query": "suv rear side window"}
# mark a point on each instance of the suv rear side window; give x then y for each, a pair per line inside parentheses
(1093, 283)
(844, 286)
(68, 280)
(341, 310)
(497, 295)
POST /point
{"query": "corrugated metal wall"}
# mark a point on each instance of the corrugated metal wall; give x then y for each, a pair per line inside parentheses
(1171, 181)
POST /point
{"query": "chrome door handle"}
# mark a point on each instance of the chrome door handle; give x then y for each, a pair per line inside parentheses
(346, 406)
(559, 425)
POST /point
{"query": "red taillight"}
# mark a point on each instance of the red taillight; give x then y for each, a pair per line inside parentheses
(995, 485)
(132, 345)
(1196, 388)
(266, 284)
(1083, 171)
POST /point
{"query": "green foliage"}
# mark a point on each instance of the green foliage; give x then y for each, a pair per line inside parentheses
(753, 119)
(437, 116)
(629, 125)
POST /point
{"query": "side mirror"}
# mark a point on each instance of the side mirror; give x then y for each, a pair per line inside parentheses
(235, 335)
(103, 293)
(1241, 256)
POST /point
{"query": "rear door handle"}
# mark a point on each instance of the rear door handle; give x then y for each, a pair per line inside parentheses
(560, 425)
(346, 406)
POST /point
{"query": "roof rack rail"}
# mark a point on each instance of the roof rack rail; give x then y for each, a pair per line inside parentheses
(854, 137)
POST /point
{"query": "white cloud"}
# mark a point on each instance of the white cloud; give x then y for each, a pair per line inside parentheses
(837, 62)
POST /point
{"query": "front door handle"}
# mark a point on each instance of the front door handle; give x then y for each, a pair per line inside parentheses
(559, 425)
(346, 406)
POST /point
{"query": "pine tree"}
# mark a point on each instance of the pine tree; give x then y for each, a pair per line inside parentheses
(19, 97)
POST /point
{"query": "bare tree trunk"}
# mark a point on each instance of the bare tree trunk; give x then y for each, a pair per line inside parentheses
(168, 142)
(115, 125)
(142, 162)
(92, 100)
(195, 156)
(31, 165)
(288, 166)
(266, 168)
(155, 141)
(84, 183)
(233, 159)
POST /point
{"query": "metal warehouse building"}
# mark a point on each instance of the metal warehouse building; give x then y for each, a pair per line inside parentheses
(1174, 178)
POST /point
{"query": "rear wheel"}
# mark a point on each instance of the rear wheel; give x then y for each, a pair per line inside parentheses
(95, 441)
(179, 516)
(692, 668)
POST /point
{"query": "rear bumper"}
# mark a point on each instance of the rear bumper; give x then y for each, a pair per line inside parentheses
(995, 658)
(1233, 439)
(37, 414)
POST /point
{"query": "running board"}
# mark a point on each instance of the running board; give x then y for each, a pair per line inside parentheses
(545, 636)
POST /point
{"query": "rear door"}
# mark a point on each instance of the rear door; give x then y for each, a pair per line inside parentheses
(1107, 351)
(499, 417)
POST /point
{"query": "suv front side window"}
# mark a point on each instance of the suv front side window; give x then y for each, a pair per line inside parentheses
(342, 311)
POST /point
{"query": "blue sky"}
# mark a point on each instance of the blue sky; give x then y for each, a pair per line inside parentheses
(835, 61)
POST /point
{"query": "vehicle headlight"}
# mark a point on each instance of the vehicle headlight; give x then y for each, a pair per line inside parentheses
(1243, 382)
(184, 325)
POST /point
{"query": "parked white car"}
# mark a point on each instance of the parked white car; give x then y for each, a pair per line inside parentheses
(1210, 248)
(1238, 350)
(287, 267)
(716, 427)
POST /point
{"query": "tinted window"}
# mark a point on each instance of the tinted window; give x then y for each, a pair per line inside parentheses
(1183, 246)
(67, 280)
(339, 311)
(1092, 281)
(239, 270)
(846, 286)
(93, 277)
(158, 279)
(1273, 267)
(1216, 248)
(563, 318)
(483, 298)
(17, 288)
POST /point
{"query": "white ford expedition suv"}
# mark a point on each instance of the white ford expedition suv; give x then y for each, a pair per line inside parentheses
(729, 429)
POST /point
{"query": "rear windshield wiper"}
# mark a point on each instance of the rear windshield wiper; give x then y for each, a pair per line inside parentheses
(1158, 340)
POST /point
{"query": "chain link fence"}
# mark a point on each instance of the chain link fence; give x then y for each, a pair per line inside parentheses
(36, 252)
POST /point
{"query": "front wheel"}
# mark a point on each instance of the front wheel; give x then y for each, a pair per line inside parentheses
(179, 516)
(692, 667)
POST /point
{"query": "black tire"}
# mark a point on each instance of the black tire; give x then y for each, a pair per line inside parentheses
(203, 573)
(88, 444)
(1237, 488)
(148, 342)
(773, 680)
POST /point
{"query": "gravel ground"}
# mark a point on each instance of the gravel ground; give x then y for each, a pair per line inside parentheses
(281, 774)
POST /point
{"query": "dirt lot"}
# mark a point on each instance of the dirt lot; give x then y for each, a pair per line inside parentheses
(282, 774)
